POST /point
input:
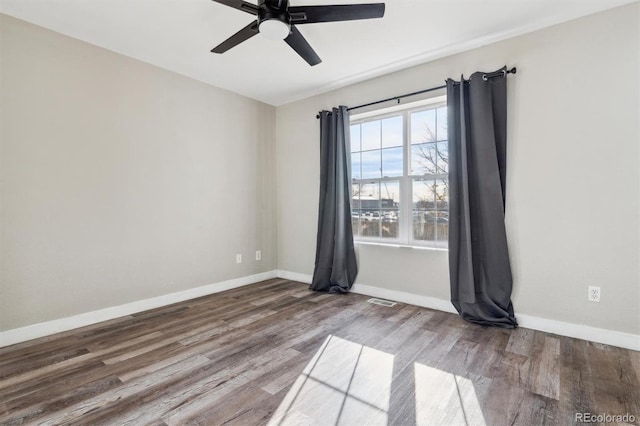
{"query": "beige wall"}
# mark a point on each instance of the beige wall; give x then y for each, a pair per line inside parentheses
(573, 177)
(120, 181)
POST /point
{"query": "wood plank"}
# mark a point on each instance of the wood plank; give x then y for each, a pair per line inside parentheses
(520, 341)
(544, 374)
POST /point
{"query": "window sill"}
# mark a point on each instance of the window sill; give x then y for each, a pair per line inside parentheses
(399, 245)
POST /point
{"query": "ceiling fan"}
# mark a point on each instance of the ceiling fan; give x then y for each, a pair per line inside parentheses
(277, 21)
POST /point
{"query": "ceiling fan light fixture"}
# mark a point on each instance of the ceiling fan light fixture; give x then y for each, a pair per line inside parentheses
(274, 29)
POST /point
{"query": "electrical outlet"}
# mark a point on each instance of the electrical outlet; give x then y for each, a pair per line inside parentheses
(238, 258)
(594, 294)
(258, 255)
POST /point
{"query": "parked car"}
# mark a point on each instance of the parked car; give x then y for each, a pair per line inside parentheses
(370, 216)
(430, 216)
(390, 216)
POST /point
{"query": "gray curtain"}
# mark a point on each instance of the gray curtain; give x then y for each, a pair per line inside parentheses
(479, 266)
(336, 268)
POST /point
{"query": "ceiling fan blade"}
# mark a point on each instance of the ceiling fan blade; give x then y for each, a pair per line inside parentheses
(344, 12)
(240, 5)
(302, 47)
(244, 34)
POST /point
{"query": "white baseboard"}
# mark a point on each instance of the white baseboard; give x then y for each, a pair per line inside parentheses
(294, 276)
(367, 290)
(404, 297)
(578, 331)
(42, 329)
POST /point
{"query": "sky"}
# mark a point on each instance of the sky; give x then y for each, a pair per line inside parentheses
(376, 145)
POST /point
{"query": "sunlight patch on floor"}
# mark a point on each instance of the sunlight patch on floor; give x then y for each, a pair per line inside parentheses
(445, 399)
(345, 383)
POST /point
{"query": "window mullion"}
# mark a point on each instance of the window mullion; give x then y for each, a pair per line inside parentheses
(380, 187)
(407, 197)
(435, 211)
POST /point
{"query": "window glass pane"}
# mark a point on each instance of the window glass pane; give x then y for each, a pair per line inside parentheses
(371, 135)
(424, 213)
(355, 138)
(442, 226)
(441, 133)
(423, 126)
(370, 196)
(355, 209)
(355, 223)
(355, 197)
(355, 166)
(442, 214)
(442, 195)
(371, 164)
(370, 209)
(424, 194)
(392, 132)
(370, 223)
(443, 157)
(423, 225)
(392, 162)
(390, 203)
(423, 159)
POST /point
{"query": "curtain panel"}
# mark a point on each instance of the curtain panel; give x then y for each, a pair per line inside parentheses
(479, 267)
(335, 266)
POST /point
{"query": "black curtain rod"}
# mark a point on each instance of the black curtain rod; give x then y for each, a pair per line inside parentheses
(431, 89)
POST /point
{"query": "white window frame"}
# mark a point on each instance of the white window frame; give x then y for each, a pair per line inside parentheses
(405, 234)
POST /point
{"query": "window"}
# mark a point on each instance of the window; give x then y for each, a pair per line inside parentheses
(399, 167)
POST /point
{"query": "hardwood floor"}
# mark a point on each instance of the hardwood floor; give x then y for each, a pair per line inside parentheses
(277, 353)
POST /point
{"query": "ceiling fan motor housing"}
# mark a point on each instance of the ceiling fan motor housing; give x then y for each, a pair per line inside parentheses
(274, 14)
(273, 9)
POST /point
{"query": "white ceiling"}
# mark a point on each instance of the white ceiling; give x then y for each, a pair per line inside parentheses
(178, 34)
